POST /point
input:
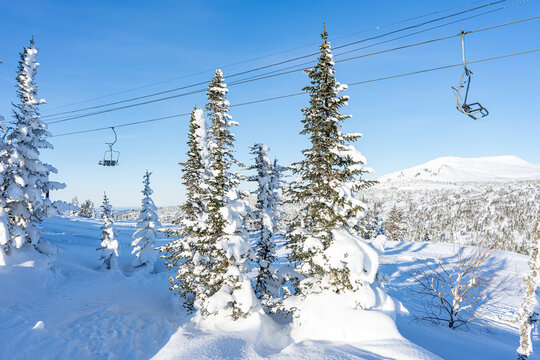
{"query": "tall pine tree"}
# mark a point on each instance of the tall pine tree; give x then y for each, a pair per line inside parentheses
(327, 178)
(5, 233)
(197, 166)
(109, 244)
(264, 220)
(145, 237)
(215, 246)
(27, 181)
(527, 315)
(229, 291)
(185, 255)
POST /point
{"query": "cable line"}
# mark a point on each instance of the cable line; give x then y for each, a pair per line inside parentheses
(265, 56)
(302, 65)
(418, 25)
(439, 39)
(301, 93)
(288, 60)
(295, 67)
(243, 81)
(434, 27)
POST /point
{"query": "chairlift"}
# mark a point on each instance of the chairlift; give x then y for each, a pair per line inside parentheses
(110, 158)
(473, 110)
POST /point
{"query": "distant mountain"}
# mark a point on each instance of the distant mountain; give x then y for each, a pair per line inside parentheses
(456, 169)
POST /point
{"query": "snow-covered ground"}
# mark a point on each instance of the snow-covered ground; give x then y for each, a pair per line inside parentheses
(66, 307)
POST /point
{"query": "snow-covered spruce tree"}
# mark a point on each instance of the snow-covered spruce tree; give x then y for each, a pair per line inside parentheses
(373, 222)
(76, 205)
(28, 178)
(5, 233)
(335, 293)
(184, 254)
(264, 219)
(328, 177)
(109, 245)
(527, 314)
(394, 226)
(227, 290)
(87, 209)
(147, 227)
(197, 166)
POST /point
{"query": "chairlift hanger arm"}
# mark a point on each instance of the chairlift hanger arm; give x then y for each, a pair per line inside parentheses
(115, 137)
(474, 110)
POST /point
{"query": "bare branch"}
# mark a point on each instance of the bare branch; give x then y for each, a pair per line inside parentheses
(462, 289)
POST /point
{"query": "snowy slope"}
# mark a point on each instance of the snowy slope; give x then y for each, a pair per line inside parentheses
(456, 169)
(65, 307)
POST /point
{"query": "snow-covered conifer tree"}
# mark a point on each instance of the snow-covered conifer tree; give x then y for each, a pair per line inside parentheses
(394, 226)
(28, 178)
(334, 268)
(184, 253)
(147, 228)
(228, 291)
(76, 205)
(217, 249)
(197, 166)
(109, 245)
(527, 314)
(328, 177)
(264, 222)
(87, 209)
(5, 237)
(373, 222)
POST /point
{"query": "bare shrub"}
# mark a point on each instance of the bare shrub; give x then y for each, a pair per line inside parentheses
(462, 289)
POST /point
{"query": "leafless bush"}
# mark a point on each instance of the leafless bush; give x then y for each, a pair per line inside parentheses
(463, 289)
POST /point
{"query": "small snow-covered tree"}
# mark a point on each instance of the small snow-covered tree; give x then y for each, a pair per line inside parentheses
(28, 178)
(77, 206)
(109, 244)
(144, 238)
(322, 235)
(373, 223)
(394, 226)
(87, 209)
(264, 219)
(527, 314)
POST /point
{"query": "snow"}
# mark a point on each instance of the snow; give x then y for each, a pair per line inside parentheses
(40, 325)
(200, 133)
(456, 169)
(347, 251)
(343, 321)
(64, 306)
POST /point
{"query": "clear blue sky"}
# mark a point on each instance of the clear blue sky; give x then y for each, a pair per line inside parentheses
(89, 49)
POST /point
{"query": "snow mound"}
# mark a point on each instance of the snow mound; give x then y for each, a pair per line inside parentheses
(456, 169)
(343, 320)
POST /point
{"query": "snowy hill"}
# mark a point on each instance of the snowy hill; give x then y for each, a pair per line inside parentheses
(452, 199)
(456, 169)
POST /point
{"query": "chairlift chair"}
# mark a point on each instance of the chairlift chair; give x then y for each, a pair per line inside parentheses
(110, 158)
(473, 110)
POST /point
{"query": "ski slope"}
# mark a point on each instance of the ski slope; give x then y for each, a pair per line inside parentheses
(67, 307)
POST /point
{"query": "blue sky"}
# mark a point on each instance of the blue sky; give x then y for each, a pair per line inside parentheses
(90, 49)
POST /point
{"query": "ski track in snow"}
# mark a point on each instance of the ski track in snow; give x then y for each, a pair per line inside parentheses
(78, 311)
